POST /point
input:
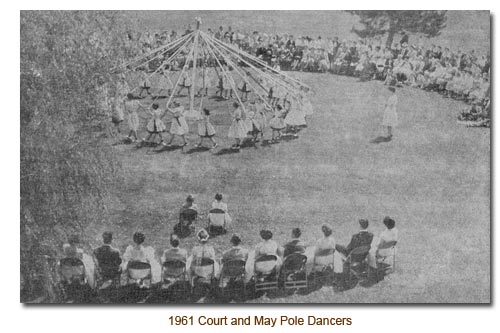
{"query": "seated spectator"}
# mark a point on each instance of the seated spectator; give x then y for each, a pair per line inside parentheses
(108, 258)
(362, 238)
(72, 250)
(138, 252)
(390, 234)
(267, 246)
(175, 253)
(236, 252)
(218, 204)
(201, 252)
(187, 215)
(327, 242)
(295, 245)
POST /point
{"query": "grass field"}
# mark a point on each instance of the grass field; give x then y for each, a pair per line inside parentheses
(433, 179)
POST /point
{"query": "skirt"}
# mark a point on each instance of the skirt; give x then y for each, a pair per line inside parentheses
(155, 126)
(296, 118)
(205, 130)
(237, 130)
(277, 123)
(133, 121)
(390, 117)
(179, 126)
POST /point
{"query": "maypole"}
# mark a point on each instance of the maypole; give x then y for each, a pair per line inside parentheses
(195, 60)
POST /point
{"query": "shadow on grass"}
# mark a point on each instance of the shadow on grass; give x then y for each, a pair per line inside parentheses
(227, 151)
(167, 148)
(197, 150)
(380, 139)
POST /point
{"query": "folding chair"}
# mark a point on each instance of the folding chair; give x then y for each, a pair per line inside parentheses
(216, 222)
(357, 261)
(172, 271)
(323, 265)
(266, 273)
(234, 271)
(74, 283)
(387, 250)
(204, 269)
(293, 271)
(140, 273)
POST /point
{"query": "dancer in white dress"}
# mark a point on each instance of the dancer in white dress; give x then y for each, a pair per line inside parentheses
(277, 123)
(205, 128)
(390, 113)
(295, 117)
(237, 130)
(155, 124)
(179, 126)
(131, 106)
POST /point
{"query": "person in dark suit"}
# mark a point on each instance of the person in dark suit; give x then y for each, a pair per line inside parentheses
(362, 238)
(295, 245)
(108, 258)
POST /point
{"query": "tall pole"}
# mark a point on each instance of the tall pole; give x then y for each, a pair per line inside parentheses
(195, 60)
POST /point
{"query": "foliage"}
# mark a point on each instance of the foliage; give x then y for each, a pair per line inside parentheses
(381, 22)
(66, 171)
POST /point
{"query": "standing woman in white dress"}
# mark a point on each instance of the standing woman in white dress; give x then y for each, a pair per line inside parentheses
(205, 128)
(179, 126)
(238, 129)
(390, 114)
(155, 124)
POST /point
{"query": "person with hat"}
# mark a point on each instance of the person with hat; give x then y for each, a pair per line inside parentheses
(237, 130)
(205, 128)
(179, 125)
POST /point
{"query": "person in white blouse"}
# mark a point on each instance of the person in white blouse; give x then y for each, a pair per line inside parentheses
(218, 204)
(71, 250)
(390, 234)
(138, 252)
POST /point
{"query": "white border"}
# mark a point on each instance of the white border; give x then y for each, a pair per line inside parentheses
(155, 319)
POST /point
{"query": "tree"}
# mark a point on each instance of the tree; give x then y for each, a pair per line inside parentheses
(66, 169)
(381, 22)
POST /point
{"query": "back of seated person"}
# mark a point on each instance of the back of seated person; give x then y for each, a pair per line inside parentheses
(236, 252)
(175, 253)
(327, 242)
(295, 245)
(267, 246)
(108, 258)
(362, 238)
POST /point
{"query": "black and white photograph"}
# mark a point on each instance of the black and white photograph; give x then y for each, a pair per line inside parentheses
(255, 156)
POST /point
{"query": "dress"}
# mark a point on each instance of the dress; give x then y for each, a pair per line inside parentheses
(260, 116)
(238, 129)
(205, 128)
(179, 125)
(277, 122)
(156, 125)
(143, 254)
(296, 117)
(390, 113)
(132, 116)
(221, 205)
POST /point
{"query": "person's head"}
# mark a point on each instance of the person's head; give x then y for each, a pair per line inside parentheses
(107, 237)
(363, 223)
(389, 223)
(392, 89)
(155, 106)
(326, 229)
(174, 241)
(266, 234)
(130, 96)
(218, 197)
(206, 111)
(296, 232)
(235, 240)
(74, 240)
(139, 238)
(202, 236)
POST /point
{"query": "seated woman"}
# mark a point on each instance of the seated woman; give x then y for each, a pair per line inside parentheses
(326, 244)
(187, 215)
(146, 254)
(219, 204)
(72, 250)
(268, 247)
(203, 257)
(174, 253)
(390, 234)
(236, 252)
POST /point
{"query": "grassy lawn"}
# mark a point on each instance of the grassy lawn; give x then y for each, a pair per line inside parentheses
(433, 179)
